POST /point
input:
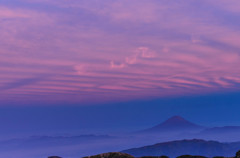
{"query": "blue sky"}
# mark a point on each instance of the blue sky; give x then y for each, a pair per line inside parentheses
(208, 110)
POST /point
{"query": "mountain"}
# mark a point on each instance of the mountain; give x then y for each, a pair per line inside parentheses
(224, 134)
(176, 128)
(222, 130)
(174, 124)
(186, 147)
(111, 155)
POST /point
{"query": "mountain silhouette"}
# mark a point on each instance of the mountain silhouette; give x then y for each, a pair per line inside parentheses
(174, 124)
(224, 134)
(186, 147)
(222, 130)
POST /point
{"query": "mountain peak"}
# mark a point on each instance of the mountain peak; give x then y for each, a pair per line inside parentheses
(175, 123)
(175, 118)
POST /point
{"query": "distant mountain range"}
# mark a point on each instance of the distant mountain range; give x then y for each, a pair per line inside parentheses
(186, 147)
(225, 129)
(43, 146)
(192, 142)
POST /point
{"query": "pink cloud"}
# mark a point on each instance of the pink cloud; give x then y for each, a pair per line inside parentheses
(117, 50)
(230, 5)
(6, 13)
(113, 65)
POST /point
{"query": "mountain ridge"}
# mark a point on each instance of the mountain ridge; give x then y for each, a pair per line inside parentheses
(186, 147)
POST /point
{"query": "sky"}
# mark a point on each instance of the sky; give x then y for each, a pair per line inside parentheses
(68, 59)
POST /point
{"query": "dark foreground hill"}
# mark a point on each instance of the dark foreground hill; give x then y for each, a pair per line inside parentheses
(111, 155)
(124, 155)
(187, 147)
(120, 155)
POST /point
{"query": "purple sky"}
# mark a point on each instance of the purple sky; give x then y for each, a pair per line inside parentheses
(99, 51)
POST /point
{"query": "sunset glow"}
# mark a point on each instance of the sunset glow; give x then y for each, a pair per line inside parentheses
(86, 51)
